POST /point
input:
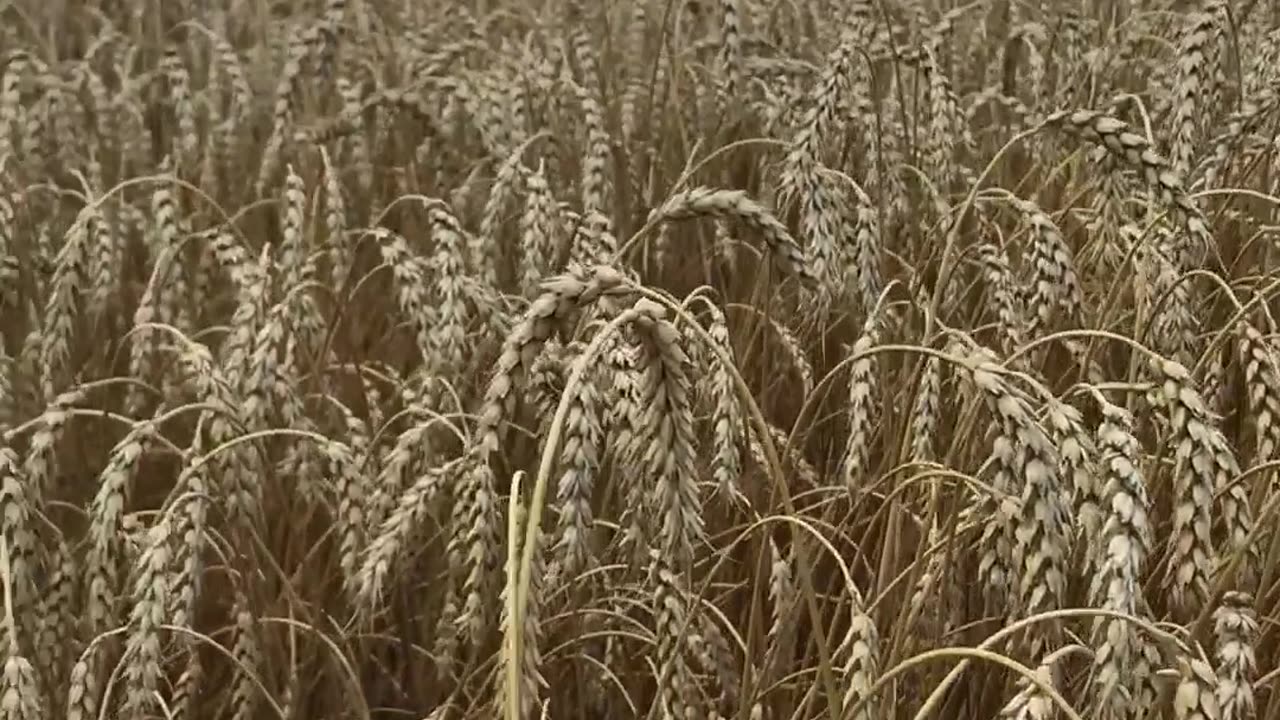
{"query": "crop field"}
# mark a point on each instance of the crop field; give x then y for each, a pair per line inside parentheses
(650, 360)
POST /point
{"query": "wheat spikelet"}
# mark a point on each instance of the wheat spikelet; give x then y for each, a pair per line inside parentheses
(1056, 284)
(861, 665)
(783, 604)
(55, 620)
(150, 599)
(283, 114)
(532, 682)
(447, 339)
(1205, 464)
(409, 275)
(1039, 544)
(924, 422)
(11, 110)
(1078, 455)
(1195, 697)
(1135, 151)
(395, 532)
(863, 269)
(1120, 561)
(1005, 303)
(579, 456)
(710, 649)
(537, 229)
(820, 207)
(595, 184)
(349, 484)
(8, 393)
(505, 185)
(356, 143)
(1236, 634)
(62, 305)
(664, 450)
(795, 352)
(82, 701)
(670, 612)
(408, 456)
(944, 119)
(1262, 383)
(248, 656)
(292, 250)
(106, 519)
(862, 388)
(1189, 90)
(19, 693)
(1174, 326)
(547, 379)
(40, 466)
(623, 428)
(726, 413)
(731, 46)
(190, 529)
(179, 81)
(186, 691)
(1032, 702)
(335, 221)
(9, 264)
(593, 241)
(734, 203)
(106, 261)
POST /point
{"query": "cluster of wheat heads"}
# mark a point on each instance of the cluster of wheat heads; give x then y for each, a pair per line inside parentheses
(667, 360)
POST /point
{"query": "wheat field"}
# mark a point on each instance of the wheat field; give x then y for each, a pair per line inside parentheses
(653, 360)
